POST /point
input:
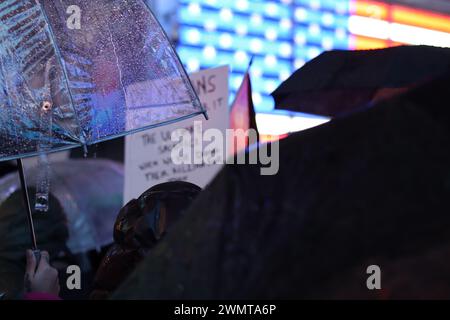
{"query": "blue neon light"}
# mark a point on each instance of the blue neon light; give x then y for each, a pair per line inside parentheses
(281, 35)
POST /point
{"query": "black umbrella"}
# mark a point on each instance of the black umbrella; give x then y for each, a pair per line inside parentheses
(369, 188)
(339, 81)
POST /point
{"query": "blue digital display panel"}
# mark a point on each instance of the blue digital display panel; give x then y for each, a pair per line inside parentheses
(281, 36)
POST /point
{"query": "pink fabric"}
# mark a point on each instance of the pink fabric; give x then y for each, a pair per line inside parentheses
(241, 112)
(40, 296)
(240, 115)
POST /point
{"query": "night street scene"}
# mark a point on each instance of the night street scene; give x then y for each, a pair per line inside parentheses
(224, 157)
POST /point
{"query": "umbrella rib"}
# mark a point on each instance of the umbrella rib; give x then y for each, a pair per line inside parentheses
(118, 64)
(161, 105)
(65, 75)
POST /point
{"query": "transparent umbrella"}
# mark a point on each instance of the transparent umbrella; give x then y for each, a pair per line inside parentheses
(78, 72)
(90, 193)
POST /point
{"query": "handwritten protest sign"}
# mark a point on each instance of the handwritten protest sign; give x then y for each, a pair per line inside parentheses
(148, 158)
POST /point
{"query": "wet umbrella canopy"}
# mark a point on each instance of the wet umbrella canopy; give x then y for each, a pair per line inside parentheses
(340, 81)
(74, 73)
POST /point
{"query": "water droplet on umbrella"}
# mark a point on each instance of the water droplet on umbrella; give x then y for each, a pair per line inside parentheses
(41, 202)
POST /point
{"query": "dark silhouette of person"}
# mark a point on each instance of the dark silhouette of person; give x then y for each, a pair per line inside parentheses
(139, 226)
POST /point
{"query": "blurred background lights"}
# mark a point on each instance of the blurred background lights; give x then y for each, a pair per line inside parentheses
(256, 45)
(286, 23)
(341, 7)
(226, 14)
(256, 19)
(270, 86)
(256, 96)
(313, 52)
(193, 65)
(271, 34)
(327, 43)
(340, 33)
(270, 61)
(328, 19)
(242, 5)
(314, 29)
(236, 83)
(284, 74)
(226, 40)
(194, 36)
(314, 4)
(298, 63)
(210, 25)
(194, 9)
(278, 124)
(300, 14)
(300, 39)
(256, 72)
(285, 50)
(241, 57)
(283, 35)
(272, 9)
(241, 29)
(209, 52)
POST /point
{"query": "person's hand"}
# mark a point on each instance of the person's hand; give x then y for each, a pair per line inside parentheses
(44, 279)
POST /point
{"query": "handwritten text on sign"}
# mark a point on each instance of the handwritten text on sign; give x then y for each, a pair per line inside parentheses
(148, 154)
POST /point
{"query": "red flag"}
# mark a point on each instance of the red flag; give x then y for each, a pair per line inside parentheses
(242, 115)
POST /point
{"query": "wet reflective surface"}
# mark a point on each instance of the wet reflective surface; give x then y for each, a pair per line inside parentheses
(80, 72)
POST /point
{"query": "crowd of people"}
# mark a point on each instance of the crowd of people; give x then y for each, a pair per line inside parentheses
(366, 189)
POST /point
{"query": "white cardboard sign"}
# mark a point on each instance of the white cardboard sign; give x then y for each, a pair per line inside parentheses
(148, 154)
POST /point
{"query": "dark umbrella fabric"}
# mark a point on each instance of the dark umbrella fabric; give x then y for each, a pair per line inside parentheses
(340, 81)
(369, 188)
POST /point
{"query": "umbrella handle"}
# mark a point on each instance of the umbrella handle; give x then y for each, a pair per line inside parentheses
(37, 256)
